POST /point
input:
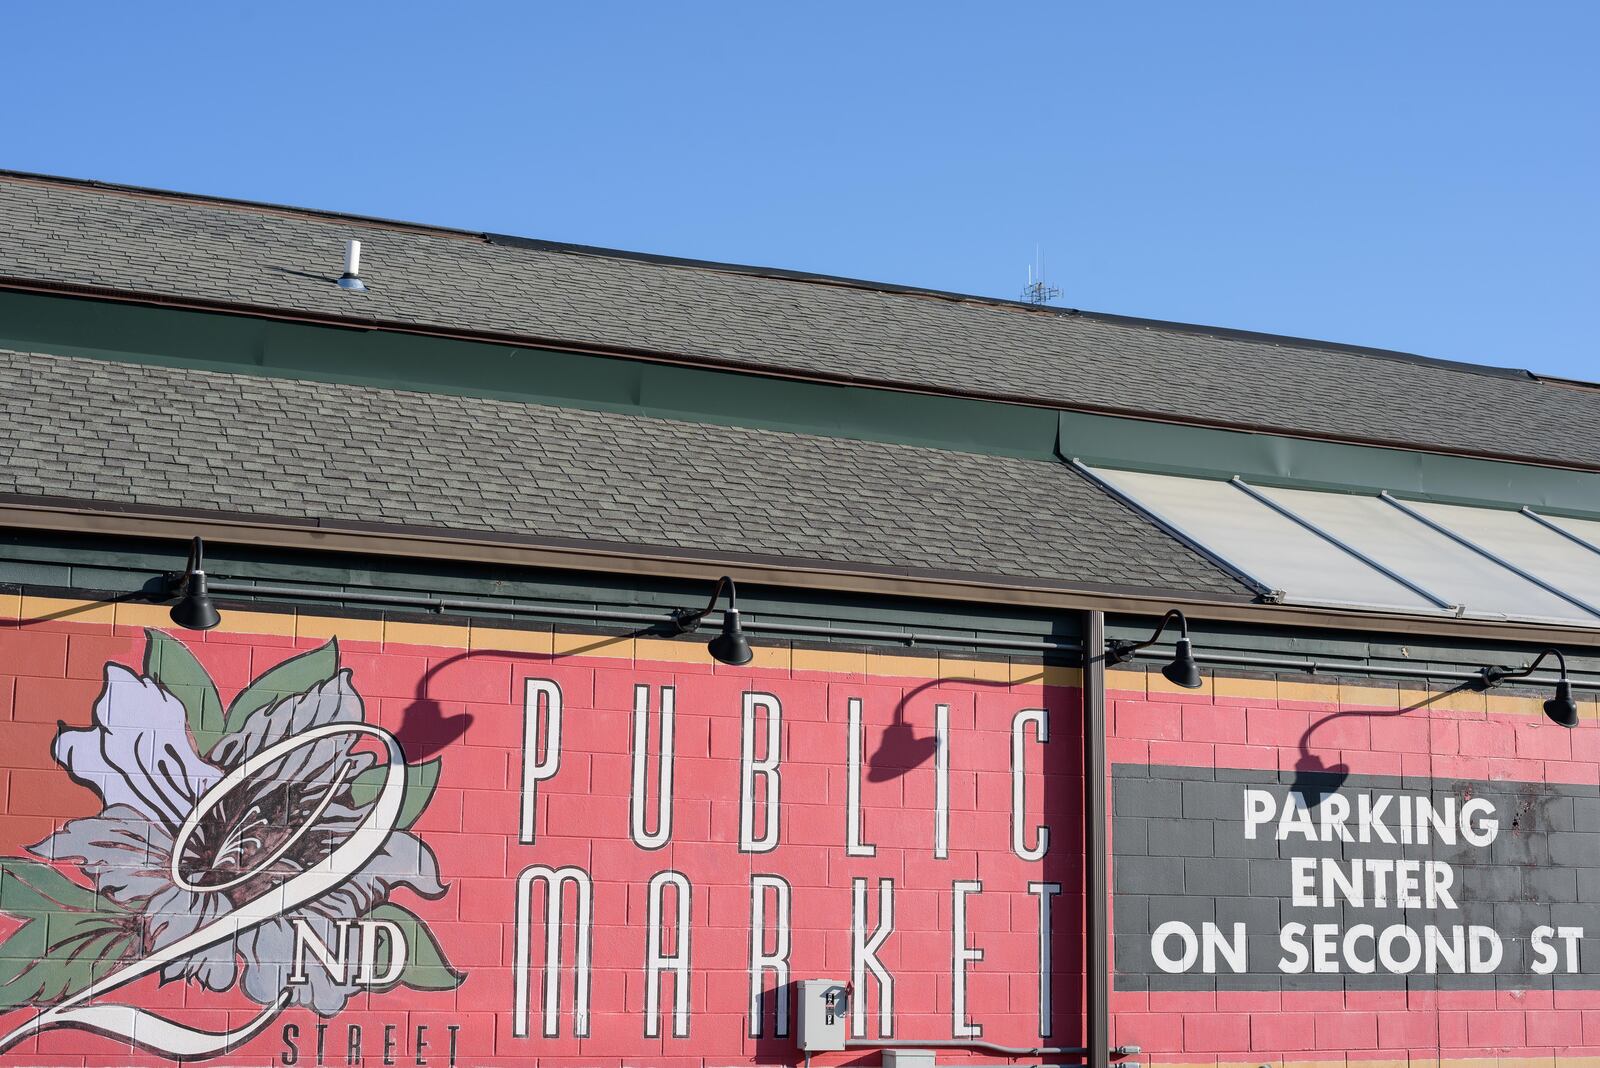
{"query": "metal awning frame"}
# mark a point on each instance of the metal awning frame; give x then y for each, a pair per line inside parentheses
(1443, 607)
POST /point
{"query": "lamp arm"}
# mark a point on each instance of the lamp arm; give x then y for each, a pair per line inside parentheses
(685, 620)
(178, 581)
(716, 592)
(1122, 650)
(1493, 676)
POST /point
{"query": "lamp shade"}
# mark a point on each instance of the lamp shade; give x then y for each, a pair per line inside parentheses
(1562, 708)
(194, 610)
(1183, 671)
(731, 646)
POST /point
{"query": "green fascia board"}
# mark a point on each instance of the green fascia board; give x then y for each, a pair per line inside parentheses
(171, 337)
(104, 562)
(110, 563)
(113, 564)
(1268, 459)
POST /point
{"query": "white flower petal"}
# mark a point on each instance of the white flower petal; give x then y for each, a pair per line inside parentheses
(138, 752)
(268, 960)
(405, 860)
(122, 850)
(334, 701)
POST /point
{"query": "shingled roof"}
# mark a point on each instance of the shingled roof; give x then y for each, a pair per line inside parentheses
(90, 237)
(110, 432)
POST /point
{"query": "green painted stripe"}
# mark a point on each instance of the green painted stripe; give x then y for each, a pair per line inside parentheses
(204, 340)
(1169, 448)
(242, 344)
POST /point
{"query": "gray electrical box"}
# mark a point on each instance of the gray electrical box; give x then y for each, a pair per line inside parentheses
(824, 1007)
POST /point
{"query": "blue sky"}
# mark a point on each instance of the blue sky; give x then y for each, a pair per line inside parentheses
(1423, 177)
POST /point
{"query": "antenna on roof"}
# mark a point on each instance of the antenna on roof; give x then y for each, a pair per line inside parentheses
(1038, 291)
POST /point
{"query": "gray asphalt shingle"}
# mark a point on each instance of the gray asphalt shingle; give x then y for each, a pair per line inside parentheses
(124, 433)
(72, 234)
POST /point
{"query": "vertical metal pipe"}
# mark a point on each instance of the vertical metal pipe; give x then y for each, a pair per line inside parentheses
(1096, 860)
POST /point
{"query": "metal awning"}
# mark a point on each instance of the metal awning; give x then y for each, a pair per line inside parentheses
(1377, 551)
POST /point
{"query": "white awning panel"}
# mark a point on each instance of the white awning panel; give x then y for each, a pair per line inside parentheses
(1271, 548)
(1585, 530)
(1526, 544)
(1457, 575)
(1370, 550)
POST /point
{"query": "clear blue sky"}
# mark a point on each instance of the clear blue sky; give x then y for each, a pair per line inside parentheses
(1419, 176)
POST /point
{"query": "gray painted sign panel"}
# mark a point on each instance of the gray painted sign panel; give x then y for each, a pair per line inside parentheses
(1239, 879)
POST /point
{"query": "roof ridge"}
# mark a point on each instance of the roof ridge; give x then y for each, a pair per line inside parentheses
(784, 274)
(157, 193)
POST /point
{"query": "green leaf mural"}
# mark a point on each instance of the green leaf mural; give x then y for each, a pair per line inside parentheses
(420, 781)
(70, 938)
(30, 886)
(426, 967)
(69, 951)
(171, 664)
(295, 675)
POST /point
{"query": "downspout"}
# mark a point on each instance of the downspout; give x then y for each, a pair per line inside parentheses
(1096, 860)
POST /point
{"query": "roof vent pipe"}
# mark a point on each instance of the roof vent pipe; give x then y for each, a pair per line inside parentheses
(351, 279)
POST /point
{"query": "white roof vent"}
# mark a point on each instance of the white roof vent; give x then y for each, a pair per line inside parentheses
(351, 279)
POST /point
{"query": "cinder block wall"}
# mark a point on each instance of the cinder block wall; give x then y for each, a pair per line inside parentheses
(1189, 851)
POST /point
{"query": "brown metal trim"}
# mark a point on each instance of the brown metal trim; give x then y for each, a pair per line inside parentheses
(76, 516)
(740, 366)
(18, 512)
(1096, 855)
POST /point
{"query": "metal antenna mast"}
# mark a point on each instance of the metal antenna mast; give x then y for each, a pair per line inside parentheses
(1038, 291)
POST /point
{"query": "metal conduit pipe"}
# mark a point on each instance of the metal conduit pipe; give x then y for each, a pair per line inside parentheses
(1315, 667)
(966, 1043)
(908, 638)
(444, 604)
(439, 604)
(914, 638)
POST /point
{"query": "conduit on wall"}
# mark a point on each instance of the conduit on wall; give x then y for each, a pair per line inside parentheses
(888, 637)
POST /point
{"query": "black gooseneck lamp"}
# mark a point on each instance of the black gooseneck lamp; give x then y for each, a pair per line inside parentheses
(1561, 708)
(1181, 670)
(731, 646)
(194, 610)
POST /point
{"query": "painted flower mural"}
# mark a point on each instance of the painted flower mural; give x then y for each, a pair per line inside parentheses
(207, 814)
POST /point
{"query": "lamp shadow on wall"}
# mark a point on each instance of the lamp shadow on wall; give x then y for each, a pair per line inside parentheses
(154, 592)
(900, 751)
(426, 729)
(1315, 779)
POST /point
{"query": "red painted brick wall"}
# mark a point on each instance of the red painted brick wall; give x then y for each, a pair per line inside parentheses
(465, 708)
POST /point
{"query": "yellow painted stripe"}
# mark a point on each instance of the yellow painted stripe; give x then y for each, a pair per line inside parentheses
(443, 635)
(492, 639)
(343, 628)
(57, 609)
